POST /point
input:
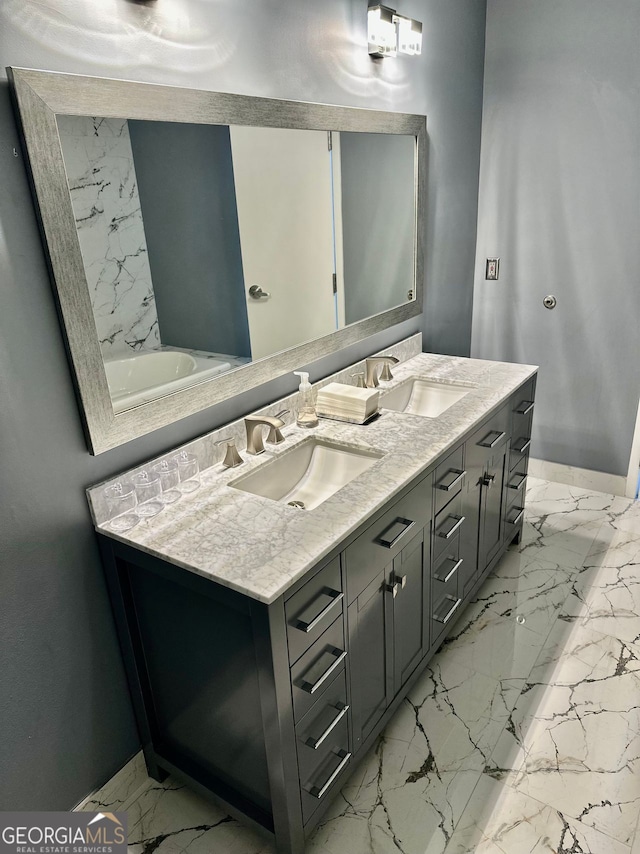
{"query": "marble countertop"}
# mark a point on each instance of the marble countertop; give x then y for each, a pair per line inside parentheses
(259, 547)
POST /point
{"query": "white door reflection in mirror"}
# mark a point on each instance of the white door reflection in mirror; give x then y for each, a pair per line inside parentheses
(283, 194)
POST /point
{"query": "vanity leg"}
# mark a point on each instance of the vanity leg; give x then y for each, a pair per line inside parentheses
(153, 769)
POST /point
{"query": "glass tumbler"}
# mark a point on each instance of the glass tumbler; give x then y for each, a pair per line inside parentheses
(121, 500)
(189, 471)
(169, 481)
(148, 492)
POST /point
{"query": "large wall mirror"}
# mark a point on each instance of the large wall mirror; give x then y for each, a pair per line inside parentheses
(202, 243)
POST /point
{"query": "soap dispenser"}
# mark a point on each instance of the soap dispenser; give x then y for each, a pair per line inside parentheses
(306, 406)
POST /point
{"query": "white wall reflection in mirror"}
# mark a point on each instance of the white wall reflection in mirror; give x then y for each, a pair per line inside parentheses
(176, 222)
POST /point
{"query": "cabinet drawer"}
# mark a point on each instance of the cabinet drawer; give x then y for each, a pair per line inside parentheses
(322, 738)
(316, 667)
(376, 547)
(521, 425)
(519, 458)
(322, 771)
(488, 440)
(516, 487)
(447, 565)
(514, 518)
(329, 709)
(313, 608)
(522, 409)
(447, 526)
(448, 478)
(446, 606)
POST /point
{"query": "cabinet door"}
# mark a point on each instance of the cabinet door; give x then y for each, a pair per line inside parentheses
(371, 666)
(491, 513)
(470, 530)
(486, 445)
(411, 601)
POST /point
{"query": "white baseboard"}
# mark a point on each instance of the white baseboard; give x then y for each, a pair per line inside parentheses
(599, 481)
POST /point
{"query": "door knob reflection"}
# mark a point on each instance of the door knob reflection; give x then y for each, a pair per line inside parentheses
(256, 292)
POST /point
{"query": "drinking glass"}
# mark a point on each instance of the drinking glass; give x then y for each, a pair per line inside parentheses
(121, 500)
(189, 471)
(148, 492)
(169, 480)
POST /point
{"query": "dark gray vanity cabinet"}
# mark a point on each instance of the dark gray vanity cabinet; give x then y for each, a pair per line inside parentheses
(387, 574)
(267, 706)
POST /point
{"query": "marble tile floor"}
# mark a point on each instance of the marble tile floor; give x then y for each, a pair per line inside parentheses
(523, 734)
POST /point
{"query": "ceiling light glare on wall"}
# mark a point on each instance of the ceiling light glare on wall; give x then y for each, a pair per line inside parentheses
(390, 33)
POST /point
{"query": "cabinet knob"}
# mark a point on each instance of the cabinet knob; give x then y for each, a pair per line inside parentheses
(487, 480)
(398, 582)
(392, 588)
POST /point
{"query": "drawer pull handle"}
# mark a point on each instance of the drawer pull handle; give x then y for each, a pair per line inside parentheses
(444, 620)
(522, 447)
(406, 525)
(517, 517)
(518, 484)
(525, 407)
(486, 443)
(312, 687)
(445, 532)
(447, 487)
(454, 568)
(316, 742)
(318, 792)
(309, 626)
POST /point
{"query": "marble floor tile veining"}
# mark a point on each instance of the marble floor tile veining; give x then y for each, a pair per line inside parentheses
(522, 735)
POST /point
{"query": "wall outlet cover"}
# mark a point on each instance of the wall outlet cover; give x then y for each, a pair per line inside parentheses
(492, 270)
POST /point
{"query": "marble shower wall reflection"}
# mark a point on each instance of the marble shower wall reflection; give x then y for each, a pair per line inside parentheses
(104, 193)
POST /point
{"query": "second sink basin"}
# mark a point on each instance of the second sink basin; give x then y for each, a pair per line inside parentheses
(309, 473)
(428, 398)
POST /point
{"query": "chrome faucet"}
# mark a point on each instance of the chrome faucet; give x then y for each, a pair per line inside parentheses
(254, 435)
(371, 369)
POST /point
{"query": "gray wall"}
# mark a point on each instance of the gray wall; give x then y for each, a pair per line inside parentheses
(64, 708)
(560, 205)
(378, 221)
(453, 52)
(188, 200)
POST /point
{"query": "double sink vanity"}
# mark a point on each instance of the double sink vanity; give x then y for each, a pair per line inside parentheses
(268, 645)
(273, 619)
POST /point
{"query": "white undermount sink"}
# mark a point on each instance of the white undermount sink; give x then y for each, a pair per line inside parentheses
(309, 473)
(428, 398)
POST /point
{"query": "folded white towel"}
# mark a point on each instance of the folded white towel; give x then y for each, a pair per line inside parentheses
(348, 400)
